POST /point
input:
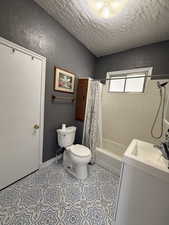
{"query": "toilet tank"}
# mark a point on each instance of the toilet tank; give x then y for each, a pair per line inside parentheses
(66, 136)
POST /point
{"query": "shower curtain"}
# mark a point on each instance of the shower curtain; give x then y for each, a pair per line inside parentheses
(92, 132)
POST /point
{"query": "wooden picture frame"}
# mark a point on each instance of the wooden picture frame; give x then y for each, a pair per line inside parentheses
(64, 81)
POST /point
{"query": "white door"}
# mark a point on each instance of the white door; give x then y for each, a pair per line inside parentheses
(20, 96)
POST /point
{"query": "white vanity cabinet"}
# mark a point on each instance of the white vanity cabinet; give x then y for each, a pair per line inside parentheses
(144, 188)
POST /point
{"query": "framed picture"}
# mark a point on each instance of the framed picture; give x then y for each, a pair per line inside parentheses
(64, 81)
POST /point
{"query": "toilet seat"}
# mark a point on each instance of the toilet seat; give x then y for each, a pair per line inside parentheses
(80, 151)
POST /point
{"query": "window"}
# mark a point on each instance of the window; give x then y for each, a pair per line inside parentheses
(128, 81)
(117, 85)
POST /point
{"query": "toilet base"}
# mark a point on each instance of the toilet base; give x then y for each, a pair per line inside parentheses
(81, 172)
(78, 171)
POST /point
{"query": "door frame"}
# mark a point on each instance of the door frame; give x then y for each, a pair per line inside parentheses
(19, 48)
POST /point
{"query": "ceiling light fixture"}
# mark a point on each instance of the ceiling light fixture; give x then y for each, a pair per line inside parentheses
(106, 8)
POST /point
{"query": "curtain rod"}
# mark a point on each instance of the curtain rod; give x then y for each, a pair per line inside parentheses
(119, 77)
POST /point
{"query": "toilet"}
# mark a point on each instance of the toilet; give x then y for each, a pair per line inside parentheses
(75, 157)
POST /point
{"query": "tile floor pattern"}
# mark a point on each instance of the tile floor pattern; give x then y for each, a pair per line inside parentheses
(52, 197)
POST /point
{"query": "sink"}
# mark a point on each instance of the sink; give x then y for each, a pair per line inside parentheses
(147, 156)
(144, 183)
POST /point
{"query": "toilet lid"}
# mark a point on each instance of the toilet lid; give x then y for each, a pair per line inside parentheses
(80, 150)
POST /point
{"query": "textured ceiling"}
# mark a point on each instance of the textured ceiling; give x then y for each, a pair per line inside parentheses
(140, 22)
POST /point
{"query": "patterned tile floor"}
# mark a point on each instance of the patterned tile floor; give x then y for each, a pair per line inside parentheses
(53, 197)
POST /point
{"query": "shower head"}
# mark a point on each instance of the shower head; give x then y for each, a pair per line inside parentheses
(160, 85)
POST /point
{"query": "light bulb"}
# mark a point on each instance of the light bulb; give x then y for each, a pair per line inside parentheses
(115, 5)
(106, 8)
(105, 12)
(99, 5)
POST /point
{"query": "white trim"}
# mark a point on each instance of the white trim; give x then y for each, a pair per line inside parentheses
(48, 163)
(136, 70)
(43, 78)
(21, 49)
(147, 70)
(42, 111)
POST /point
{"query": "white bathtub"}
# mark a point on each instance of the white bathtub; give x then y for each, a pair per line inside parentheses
(110, 155)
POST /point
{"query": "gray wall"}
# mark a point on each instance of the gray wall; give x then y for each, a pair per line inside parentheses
(156, 55)
(25, 23)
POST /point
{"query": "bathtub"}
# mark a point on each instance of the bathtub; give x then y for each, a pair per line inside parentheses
(110, 155)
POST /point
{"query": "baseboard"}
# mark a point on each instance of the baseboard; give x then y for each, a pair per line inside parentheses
(48, 163)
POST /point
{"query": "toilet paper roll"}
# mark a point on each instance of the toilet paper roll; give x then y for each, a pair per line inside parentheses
(63, 126)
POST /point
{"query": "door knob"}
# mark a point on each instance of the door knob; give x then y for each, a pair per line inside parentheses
(36, 127)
